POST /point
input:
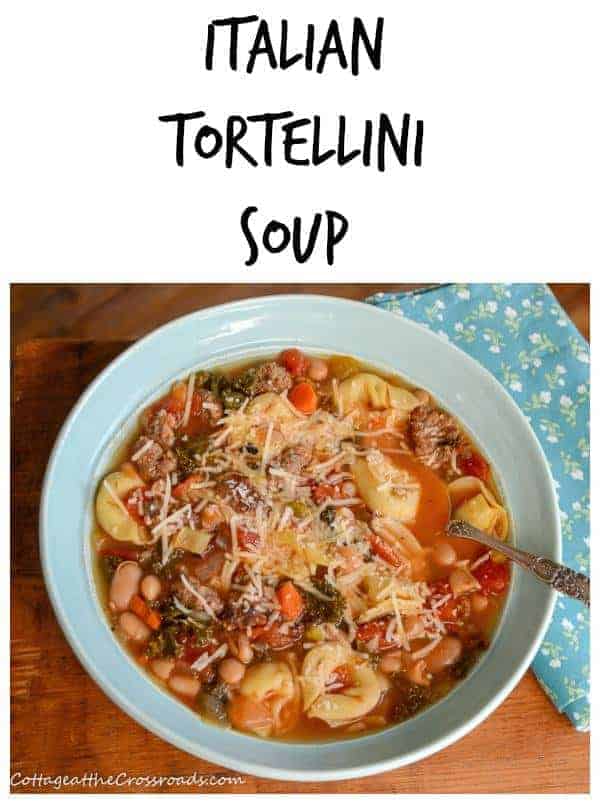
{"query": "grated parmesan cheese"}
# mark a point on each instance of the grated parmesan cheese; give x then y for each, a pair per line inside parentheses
(167, 498)
(419, 654)
(185, 511)
(207, 658)
(197, 595)
(481, 560)
(115, 496)
(267, 447)
(188, 400)
(146, 446)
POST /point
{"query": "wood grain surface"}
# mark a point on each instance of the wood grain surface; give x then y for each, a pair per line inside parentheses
(130, 311)
(62, 723)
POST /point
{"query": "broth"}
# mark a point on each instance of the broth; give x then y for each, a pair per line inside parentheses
(271, 549)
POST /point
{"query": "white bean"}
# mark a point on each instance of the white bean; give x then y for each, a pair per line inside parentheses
(348, 489)
(151, 587)
(231, 671)
(189, 686)
(418, 674)
(133, 628)
(446, 653)
(124, 585)
(479, 602)
(162, 668)
(444, 554)
(245, 652)
(390, 664)
(317, 369)
(462, 582)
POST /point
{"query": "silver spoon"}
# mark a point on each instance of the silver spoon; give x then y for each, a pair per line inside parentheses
(563, 579)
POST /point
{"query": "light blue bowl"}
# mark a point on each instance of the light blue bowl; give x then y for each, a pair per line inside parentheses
(106, 414)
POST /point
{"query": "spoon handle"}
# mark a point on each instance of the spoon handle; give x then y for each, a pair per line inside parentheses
(565, 580)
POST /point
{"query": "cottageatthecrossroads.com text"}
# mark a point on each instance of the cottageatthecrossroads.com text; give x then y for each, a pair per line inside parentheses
(120, 780)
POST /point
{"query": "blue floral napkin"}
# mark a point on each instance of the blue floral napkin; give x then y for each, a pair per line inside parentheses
(523, 336)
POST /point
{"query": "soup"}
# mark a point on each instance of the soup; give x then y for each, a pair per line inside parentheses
(272, 548)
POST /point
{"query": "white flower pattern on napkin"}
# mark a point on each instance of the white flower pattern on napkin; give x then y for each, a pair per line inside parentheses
(522, 335)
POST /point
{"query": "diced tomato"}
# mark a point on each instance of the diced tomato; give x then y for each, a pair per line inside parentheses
(473, 464)
(131, 504)
(120, 552)
(246, 538)
(343, 675)
(375, 629)
(295, 362)
(454, 610)
(199, 421)
(323, 492)
(180, 491)
(493, 577)
(174, 401)
(190, 654)
(275, 638)
(258, 631)
(386, 551)
(191, 651)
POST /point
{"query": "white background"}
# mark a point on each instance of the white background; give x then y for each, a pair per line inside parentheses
(507, 90)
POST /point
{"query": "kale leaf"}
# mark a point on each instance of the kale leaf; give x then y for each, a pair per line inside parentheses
(324, 611)
(414, 698)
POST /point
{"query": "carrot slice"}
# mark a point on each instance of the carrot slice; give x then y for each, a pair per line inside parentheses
(139, 607)
(290, 600)
(303, 397)
(153, 620)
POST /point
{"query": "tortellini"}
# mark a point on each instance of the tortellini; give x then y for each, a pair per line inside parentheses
(271, 685)
(352, 702)
(271, 406)
(265, 409)
(385, 597)
(387, 490)
(194, 541)
(268, 679)
(473, 502)
(403, 539)
(112, 516)
(367, 389)
(319, 663)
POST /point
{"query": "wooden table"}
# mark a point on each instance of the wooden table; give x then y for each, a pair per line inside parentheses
(62, 723)
(130, 311)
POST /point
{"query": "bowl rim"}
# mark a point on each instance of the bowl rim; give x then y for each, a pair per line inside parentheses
(205, 752)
